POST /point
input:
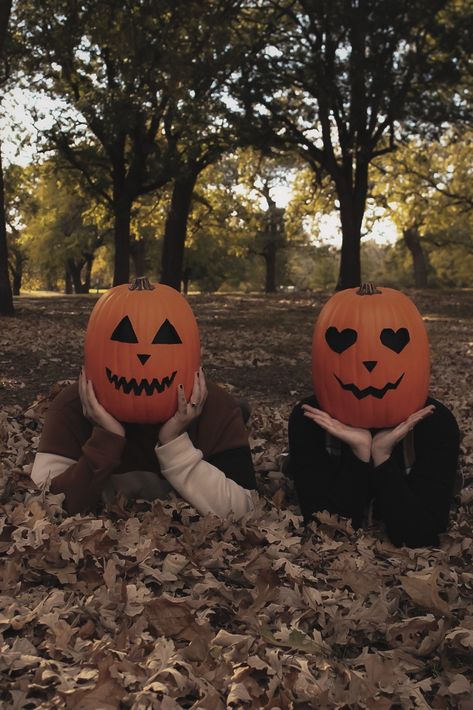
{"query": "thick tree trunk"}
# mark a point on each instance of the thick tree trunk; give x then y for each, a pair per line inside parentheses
(16, 269)
(275, 241)
(352, 199)
(138, 257)
(67, 281)
(122, 217)
(17, 279)
(419, 258)
(74, 270)
(269, 255)
(175, 231)
(17, 274)
(89, 260)
(6, 296)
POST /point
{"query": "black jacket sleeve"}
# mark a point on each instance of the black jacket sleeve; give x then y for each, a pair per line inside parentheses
(339, 484)
(415, 507)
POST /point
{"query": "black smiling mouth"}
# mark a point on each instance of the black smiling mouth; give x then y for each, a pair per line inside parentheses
(373, 391)
(144, 385)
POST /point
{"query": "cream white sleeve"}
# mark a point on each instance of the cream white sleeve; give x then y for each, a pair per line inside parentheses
(48, 466)
(200, 483)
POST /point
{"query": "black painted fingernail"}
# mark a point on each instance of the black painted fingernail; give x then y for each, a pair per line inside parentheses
(181, 387)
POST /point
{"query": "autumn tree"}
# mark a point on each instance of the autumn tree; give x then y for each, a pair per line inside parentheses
(261, 174)
(426, 188)
(144, 82)
(20, 206)
(6, 298)
(343, 80)
(222, 223)
(60, 231)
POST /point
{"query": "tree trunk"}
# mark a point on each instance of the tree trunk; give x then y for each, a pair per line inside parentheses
(74, 270)
(67, 281)
(89, 260)
(17, 279)
(186, 277)
(352, 200)
(420, 259)
(6, 296)
(17, 272)
(16, 262)
(175, 231)
(122, 217)
(138, 256)
(269, 255)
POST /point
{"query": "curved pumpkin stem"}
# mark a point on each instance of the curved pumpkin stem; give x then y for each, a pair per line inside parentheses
(141, 283)
(368, 289)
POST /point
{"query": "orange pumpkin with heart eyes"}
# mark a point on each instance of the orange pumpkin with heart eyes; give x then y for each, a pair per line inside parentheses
(370, 357)
(142, 341)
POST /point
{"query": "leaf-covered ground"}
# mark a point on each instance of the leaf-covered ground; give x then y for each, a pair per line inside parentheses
(153, 606)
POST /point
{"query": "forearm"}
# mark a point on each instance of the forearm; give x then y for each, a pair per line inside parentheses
(200, 483)
(82, 481)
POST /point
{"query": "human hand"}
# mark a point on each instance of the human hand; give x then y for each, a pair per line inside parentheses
(359, 440)
(186, 411)
(386, 439)
(93, 410)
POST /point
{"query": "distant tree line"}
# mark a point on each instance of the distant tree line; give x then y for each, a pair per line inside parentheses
(164, 108)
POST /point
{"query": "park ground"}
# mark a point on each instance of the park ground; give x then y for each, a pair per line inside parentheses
(151, 606)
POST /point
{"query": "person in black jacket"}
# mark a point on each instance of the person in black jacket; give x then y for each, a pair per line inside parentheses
(371, 443)
(405, 475)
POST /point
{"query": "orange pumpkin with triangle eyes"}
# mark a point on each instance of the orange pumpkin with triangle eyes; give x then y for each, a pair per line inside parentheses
(142, 341)
(370, 357)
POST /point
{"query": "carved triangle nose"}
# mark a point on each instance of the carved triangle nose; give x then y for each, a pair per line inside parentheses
(370, 364)
(143, 358)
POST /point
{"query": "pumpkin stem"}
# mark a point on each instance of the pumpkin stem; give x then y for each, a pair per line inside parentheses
(141, 283)
(368, 289)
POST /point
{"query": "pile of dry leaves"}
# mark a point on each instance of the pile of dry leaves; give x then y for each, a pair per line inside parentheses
(149, 605)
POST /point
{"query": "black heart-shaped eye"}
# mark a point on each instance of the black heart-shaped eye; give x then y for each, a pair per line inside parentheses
(124, 332)
(167, 335)
(395, 339)
(340, 340)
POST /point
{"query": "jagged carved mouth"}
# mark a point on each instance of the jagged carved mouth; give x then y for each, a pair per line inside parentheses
(146, 386)
(373, 391)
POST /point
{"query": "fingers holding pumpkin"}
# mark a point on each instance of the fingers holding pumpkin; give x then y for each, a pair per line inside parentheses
(199, 391)
(93, 410)
(87, 396)
(83, 391)
(417, 417)
(181, 401)
(321, 418)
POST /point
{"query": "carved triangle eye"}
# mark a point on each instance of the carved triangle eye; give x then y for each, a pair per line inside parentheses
(124, 332)
(166, 335)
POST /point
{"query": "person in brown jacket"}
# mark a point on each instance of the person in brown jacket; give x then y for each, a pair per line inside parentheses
(201, 452)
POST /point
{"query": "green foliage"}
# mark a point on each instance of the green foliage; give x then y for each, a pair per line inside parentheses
(58, 223)
(426, 188)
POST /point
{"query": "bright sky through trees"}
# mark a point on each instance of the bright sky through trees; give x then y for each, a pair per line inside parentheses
(20, 131)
